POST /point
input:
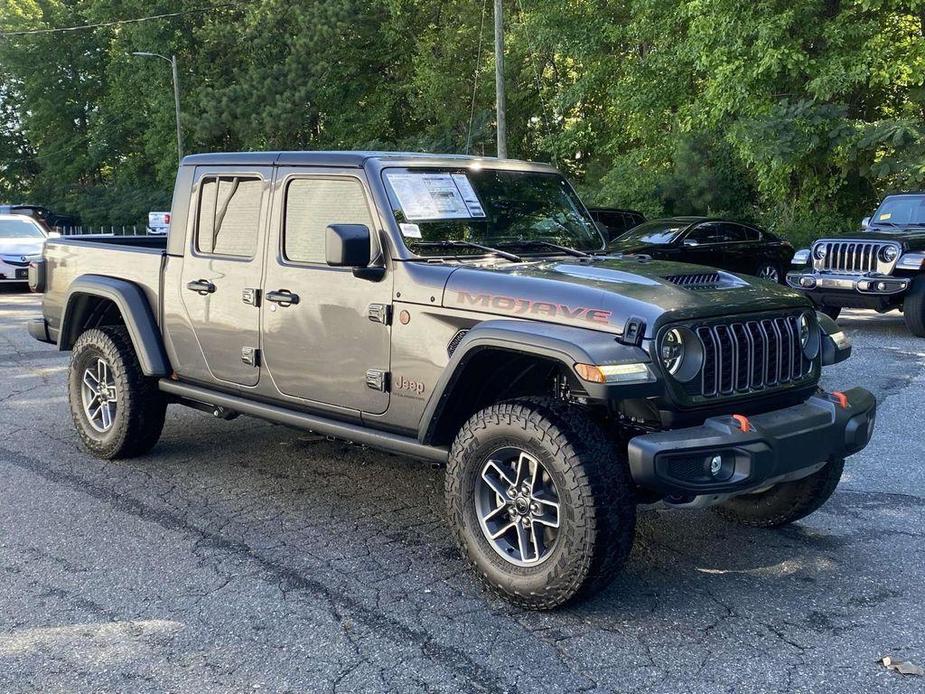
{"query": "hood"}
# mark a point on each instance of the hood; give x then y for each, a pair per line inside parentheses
(631, 246)
(18, 247)
(605, 293)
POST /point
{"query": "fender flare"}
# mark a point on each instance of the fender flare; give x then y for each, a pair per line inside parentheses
(136, 312)
(564, 344)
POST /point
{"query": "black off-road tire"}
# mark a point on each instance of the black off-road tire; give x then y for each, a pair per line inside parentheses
(914, 307)
(786, 502)
(597, 501)
(140, 406)
(831, 311)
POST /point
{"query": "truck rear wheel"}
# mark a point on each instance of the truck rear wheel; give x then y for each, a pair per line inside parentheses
(914, 307)
(117, 411)
(539, 502)
(786, 502)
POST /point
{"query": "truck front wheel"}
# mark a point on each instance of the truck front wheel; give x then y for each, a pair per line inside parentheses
(914, 307)
(785, 502)
(539, 502)
(118, 412)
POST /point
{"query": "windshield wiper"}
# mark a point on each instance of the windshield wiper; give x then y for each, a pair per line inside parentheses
(527, 243)
(448, 243)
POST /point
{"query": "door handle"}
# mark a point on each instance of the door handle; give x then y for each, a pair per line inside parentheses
(283, 297)
(201, 287)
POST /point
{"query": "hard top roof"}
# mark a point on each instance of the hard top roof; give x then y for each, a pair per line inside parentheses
(349, 159)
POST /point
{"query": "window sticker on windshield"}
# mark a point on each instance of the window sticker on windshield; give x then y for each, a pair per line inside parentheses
(410, 231)
(468, 194)
(885, 216)
(428, 196)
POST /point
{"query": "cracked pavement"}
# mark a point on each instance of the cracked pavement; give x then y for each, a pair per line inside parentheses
(243, 556)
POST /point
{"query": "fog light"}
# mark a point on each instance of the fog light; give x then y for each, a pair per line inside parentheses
(863, 285)
(716, 465)
(808, 282)
(881, 286)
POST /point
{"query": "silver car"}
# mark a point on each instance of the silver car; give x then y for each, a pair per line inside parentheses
(21, 240)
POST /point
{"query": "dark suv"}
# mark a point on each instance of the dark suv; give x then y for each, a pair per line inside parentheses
(881, 268)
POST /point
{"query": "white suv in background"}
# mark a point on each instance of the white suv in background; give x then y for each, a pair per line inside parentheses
(21, 240)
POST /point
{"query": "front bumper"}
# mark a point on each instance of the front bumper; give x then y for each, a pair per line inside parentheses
(718, 457)
(852, 290)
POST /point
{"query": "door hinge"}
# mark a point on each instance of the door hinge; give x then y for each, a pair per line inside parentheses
(250, 356)
(250, 296)
(377, 379)
(380, 313)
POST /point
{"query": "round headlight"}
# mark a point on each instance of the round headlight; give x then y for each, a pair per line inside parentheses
(819, 252)
(672, 351)
(888, 254)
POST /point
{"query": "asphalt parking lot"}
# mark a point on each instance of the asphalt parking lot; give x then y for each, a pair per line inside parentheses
(241, 556)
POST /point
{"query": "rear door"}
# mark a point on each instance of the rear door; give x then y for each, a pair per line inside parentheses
(222, 268)
(711, 244)
(328, 343)
(743, 248)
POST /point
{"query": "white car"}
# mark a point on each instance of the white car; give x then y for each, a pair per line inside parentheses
(21, 240)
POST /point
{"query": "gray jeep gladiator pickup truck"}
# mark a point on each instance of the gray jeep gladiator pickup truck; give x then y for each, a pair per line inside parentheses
(882, 268)
(462, 311)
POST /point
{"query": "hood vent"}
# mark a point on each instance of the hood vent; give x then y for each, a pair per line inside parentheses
(700, 280)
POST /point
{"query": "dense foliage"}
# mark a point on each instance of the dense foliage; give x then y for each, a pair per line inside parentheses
(796, 114)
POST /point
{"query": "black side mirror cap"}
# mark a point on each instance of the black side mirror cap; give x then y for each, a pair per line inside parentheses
(347, 245)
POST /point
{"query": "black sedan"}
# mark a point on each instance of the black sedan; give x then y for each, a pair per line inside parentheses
(718, 243)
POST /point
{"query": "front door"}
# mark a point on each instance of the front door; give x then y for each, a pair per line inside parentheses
(320, 344)
(222, 268)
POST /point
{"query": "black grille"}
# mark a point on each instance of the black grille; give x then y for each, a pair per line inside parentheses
(702, 280)
(852, 256)
(750, 355)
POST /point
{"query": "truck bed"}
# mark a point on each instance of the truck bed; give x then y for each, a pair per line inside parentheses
(135, 258)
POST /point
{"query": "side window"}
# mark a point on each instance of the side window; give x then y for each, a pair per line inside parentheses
(229, 215)
(312, 204)
(707, 233)
(734, 232)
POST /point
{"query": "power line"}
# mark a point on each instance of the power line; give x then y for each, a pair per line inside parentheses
(118, 22)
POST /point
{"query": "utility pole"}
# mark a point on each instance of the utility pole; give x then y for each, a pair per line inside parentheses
(499, 80)
(176, 93)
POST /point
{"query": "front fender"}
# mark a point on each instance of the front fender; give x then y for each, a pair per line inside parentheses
(136, 313)
(564, 344)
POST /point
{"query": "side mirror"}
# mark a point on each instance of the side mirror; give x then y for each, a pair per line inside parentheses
(691, 243)
(54, 234)
(865, 222)
(347, 245)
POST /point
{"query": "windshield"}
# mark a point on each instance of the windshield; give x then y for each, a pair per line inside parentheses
(516, 210)
(19, 229)
(653, 232)
(899, 211)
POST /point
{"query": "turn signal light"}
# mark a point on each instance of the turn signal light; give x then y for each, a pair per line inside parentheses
(614, 373)
(841, 399)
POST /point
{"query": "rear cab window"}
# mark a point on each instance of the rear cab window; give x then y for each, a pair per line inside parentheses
(228, 221)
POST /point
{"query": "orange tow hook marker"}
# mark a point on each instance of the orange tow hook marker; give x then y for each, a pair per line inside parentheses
(744, 424)
(841, 399)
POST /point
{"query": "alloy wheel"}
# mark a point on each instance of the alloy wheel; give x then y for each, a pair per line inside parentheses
(518, 507)
(98, 394)
(769, 272)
